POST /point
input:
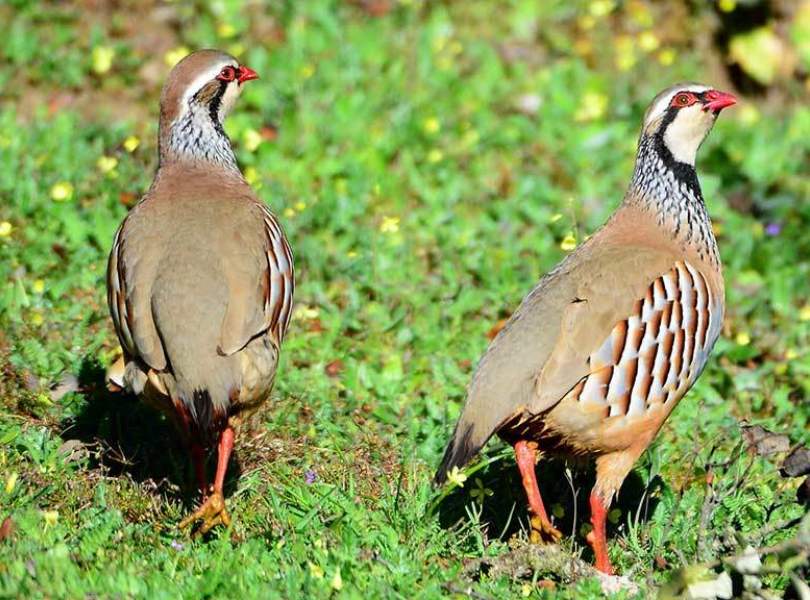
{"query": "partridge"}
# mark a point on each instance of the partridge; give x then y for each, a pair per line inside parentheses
(599, 353)
(200, 277)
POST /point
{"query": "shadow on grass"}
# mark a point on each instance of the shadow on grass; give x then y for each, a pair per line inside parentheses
(504, 513)
(129, 438)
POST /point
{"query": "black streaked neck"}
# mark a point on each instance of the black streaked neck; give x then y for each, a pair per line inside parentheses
(671, 189)
(197, 136)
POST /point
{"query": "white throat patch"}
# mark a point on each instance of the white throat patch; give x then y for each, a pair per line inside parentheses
(687, 131)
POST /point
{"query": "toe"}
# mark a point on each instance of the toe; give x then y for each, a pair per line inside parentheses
(543, 530)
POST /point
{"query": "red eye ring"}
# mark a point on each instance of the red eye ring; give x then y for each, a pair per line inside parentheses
(227, 74)
(683, 99)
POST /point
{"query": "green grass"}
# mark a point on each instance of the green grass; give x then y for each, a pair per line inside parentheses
(422, 203)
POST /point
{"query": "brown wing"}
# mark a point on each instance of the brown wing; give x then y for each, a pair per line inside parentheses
(269, 305)
(544, 349)
(129, 306)
(653, 356)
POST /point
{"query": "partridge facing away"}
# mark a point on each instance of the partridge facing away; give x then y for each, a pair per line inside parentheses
(200, 277)
(599, 353)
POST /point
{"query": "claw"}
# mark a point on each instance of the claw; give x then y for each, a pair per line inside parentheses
(543, 531)
(211, 513)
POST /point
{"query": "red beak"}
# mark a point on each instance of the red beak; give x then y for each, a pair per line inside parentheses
(246, 74)
(717, 101)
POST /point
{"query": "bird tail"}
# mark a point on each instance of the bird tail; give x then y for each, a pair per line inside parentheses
(463, 446)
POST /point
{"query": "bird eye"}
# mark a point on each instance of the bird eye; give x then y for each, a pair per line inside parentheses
(227, 74)
(682, 100)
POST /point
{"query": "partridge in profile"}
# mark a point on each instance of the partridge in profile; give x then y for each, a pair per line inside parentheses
(599, 353)
(200, 277)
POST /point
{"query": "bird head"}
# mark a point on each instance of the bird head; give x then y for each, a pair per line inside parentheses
(682, 116)
(207, 79)
(199, 93)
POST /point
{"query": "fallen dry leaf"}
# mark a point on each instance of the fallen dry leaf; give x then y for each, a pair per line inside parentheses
(6, 529)
(764, 442)
(334, 368)
(496, 329)
(797, 463)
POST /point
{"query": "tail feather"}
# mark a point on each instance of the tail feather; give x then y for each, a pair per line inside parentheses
(207, 418)
(461, 449)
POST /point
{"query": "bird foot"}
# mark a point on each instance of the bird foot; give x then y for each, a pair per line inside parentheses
(211, 513)
(543, 531)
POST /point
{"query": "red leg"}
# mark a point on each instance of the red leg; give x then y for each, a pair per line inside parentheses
(525, 454)
(597, 538)
(212, 512)
(198, 457)
(223, 457)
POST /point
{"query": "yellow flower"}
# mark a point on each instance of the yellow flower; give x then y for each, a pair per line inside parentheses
(525, 590)
(62, 191)
(315, 571)
(175, 55)
(727, 5)
(639, 13)
(435, 155)
(569, 242)
(804, 313)
(743, 339)
(37, 319)
(444, 63)
(306, 312)
(748, 114)
(5, 229)
(600, 8)
(439, 42)
(586, 22)
(50, 516)
(592, 107)
(11, 481)
(431, 125)
(307, 71)
(226, 30)
(389, 225)
(456, 477)
(666, 57)
(252, 139)
(131, 143)
(791, 354)
(251, 175)
(648, 41)
(102, 59)
(289, 213)
(337, 581)
(625, 53)
(106, 164)
(38, 287)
